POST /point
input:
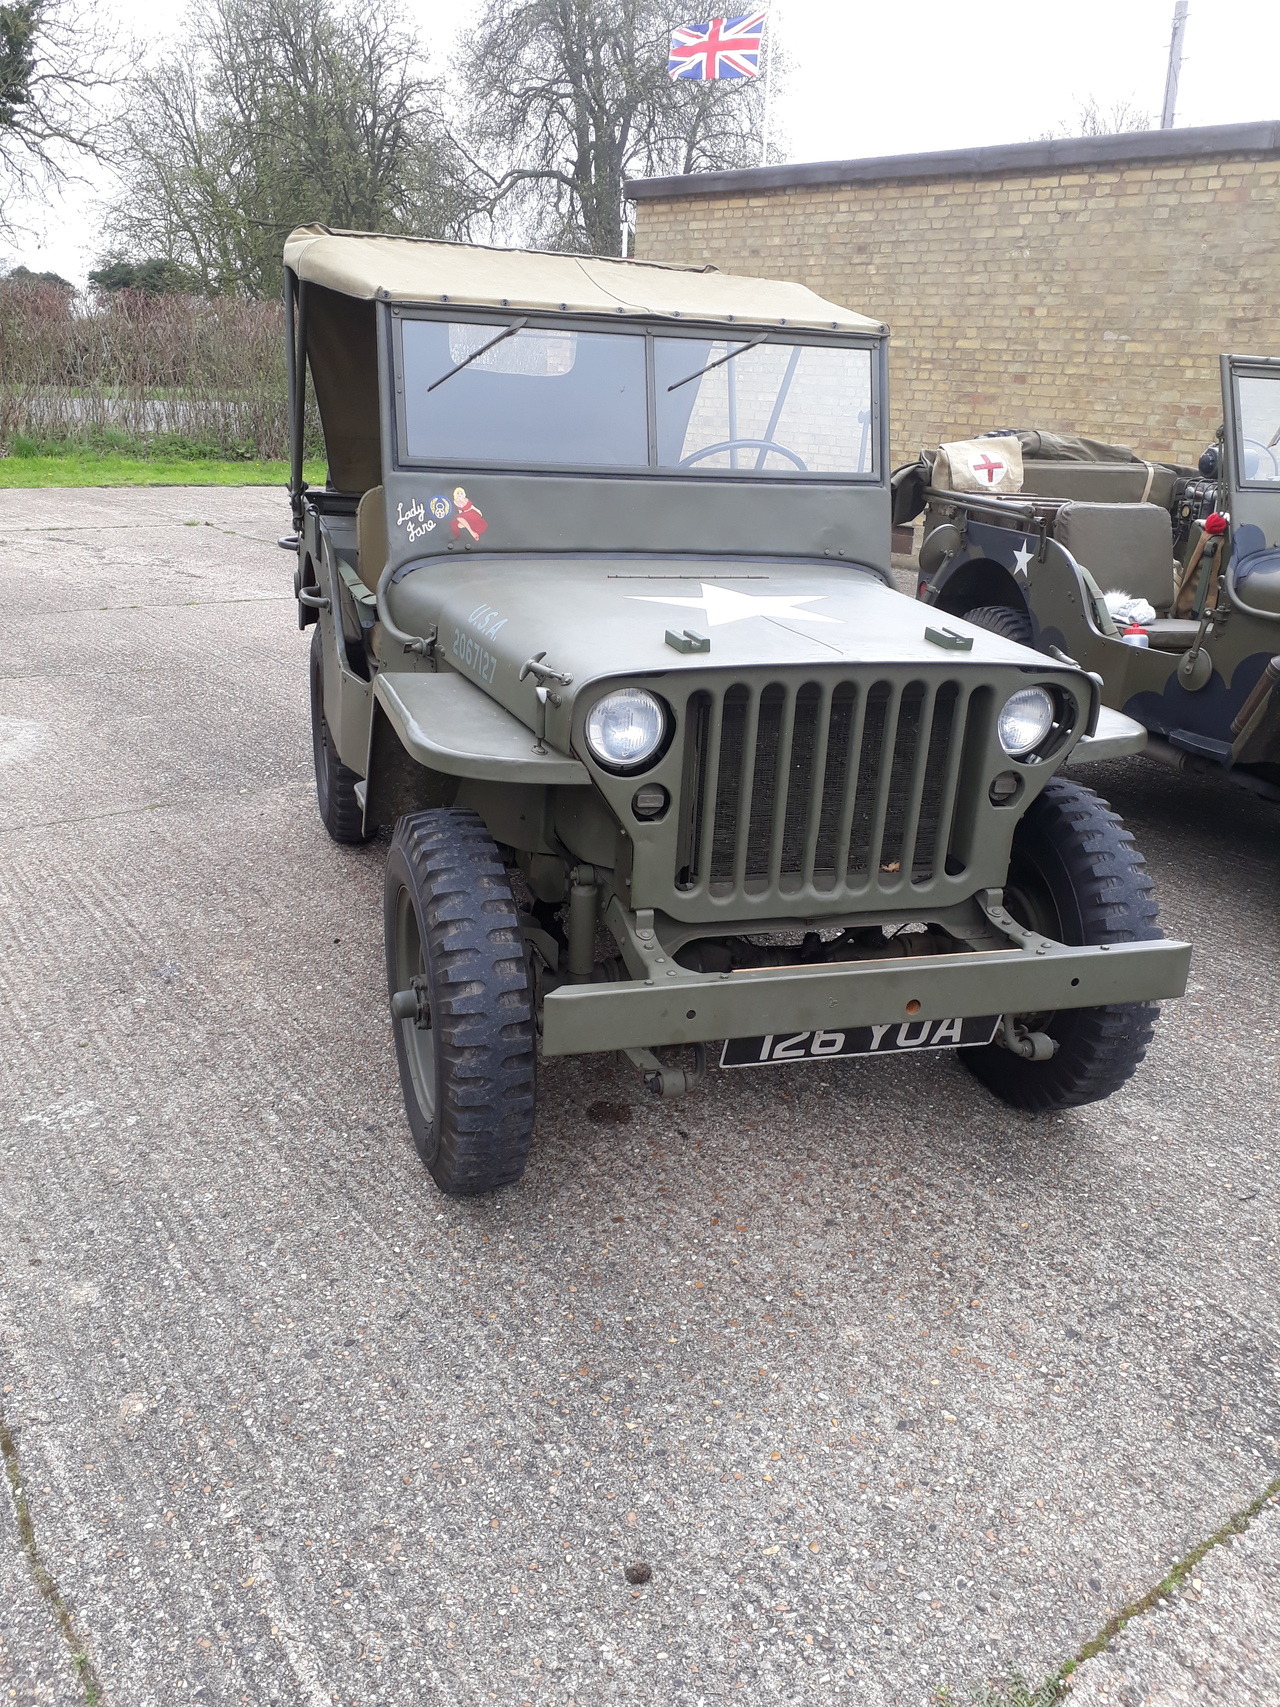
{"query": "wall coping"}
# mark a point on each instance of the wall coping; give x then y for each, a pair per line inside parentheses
(1004, 159)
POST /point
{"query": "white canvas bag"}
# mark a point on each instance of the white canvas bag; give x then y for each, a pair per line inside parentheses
(980, 465)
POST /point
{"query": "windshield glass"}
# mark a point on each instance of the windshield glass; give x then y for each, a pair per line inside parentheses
(541, 395)
(771, 408)
(500, 391)
(1259, 411)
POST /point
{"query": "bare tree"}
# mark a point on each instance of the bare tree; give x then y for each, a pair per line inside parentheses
(276, 113)
(1093, 119)
(56, 64)
(570, 97)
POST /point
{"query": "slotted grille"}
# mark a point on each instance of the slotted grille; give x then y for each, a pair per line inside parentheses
(842, 786)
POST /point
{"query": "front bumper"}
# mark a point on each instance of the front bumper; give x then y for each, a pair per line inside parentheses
(677, 1006)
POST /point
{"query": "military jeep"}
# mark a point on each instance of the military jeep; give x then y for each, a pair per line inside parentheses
(1199, 546)
(604, 634)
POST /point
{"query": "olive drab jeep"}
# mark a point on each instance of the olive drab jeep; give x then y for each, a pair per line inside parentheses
(604, 637)
(1188, 557)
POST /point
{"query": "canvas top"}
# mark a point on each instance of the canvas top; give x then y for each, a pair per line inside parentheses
(422, 270)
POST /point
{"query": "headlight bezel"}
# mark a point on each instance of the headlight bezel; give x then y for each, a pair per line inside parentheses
(1060, 719)
(652, 755)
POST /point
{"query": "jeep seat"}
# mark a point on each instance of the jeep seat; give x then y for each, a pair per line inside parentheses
(1125, 547)
(371, 537)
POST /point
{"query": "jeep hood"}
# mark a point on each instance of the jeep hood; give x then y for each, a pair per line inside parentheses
(610, 616)
(596, 618)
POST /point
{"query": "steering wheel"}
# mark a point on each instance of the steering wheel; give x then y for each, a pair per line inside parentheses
(749, 444)
(1257, 444)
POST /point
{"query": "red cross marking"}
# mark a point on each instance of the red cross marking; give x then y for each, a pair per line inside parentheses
(989, 468)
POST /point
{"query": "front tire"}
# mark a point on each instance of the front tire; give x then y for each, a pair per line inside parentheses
(340, 811)
(1075, 876)
(455, 956)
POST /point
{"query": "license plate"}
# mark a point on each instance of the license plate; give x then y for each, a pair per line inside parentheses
(892, 1039)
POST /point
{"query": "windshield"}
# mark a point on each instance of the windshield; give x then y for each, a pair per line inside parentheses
(762, 407)
(542, 395)
(758, 405)
(1259, 413)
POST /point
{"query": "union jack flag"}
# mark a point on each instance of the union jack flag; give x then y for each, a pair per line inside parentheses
(725, 47)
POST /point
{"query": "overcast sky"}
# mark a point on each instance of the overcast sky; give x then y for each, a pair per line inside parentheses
(892, 79)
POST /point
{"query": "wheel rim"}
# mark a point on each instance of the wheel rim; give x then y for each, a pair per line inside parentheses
(417, 1040)
(1029, 899)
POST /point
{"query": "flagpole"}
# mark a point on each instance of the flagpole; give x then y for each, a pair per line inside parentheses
(768, 83)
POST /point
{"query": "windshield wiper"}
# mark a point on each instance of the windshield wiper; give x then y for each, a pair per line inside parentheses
(507, 332)
(719, 361)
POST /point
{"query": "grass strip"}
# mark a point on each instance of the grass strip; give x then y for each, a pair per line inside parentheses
(40, 1573)
(28, 472)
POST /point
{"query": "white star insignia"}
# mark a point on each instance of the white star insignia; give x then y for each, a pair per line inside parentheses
(1021, 557)
(722, 605)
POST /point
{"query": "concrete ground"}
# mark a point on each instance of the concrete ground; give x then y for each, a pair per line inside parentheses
(890, 1386)
(1215, 1644)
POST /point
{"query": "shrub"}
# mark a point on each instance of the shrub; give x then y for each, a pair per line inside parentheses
(126, 370)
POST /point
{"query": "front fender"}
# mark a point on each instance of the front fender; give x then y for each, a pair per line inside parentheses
(451, 726)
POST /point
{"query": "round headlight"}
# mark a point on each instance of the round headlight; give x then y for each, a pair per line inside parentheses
(625, 729)
(1025, 720)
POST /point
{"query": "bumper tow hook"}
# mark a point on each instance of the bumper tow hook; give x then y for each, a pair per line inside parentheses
(1031, 1045)
(666, 1081)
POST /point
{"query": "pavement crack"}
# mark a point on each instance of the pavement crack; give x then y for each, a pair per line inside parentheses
(190, 604)
(88, 818)
(1015, 1691)
(1174, 1579)
(41, 1575)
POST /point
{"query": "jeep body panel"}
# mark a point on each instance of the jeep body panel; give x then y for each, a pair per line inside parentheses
(1205, 686)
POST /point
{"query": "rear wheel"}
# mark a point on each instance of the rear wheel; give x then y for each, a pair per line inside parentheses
(340, 811)
(1075, 876)
(1012, 622)
(461, 1001)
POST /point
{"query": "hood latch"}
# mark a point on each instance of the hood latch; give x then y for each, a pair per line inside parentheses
(545, 696)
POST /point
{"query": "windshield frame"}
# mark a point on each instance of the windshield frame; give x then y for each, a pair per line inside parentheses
(1248, 367)
(875, 344)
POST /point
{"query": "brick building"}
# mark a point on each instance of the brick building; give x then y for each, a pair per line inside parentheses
(1086, 285)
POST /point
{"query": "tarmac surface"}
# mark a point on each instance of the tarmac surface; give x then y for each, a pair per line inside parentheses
(890, 1386)
(1215, 1644)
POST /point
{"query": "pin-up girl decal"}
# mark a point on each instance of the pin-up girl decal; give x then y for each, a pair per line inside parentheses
(465, 515)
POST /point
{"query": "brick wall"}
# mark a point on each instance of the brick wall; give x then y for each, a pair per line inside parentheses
(1093, 298)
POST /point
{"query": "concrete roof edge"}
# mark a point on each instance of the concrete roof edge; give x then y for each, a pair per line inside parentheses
(1192, 143)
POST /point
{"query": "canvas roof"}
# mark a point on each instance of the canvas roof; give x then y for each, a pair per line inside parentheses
(412, 269)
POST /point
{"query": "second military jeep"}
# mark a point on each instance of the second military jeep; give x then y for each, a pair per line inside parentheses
(604, 634)
(1199, 547)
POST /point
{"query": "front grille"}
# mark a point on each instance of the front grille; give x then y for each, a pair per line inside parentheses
(839, 786)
